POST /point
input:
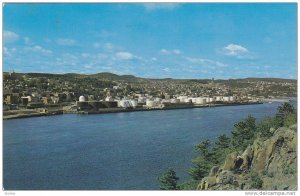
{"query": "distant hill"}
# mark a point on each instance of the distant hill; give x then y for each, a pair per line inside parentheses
(107, 75)
(132, 78)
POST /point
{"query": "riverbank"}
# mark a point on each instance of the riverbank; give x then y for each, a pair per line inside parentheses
(280, 100)
(22, 114)
(175, 107)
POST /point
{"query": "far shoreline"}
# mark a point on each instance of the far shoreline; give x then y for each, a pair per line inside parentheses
(122, 110)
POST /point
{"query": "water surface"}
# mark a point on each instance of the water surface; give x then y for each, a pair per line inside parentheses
(111, 151)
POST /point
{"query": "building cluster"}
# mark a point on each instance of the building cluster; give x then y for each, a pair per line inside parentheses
(31, 91)
(147, 101)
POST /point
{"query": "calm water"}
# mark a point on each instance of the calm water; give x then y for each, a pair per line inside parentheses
(111, 151)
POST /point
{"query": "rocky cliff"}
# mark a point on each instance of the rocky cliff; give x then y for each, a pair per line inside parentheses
(267, 164)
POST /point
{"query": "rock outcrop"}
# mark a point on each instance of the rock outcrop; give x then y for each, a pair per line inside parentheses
(272, 162)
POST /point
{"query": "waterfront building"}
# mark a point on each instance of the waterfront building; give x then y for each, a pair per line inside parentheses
(25, 100)
(81, 98)
(219, 98)
(200, 100)
(226, 99)
(109, 98)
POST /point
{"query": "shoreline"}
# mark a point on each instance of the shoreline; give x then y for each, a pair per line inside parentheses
(122, 110)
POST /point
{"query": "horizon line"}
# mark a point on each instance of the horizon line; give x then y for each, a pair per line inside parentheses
(147, 77)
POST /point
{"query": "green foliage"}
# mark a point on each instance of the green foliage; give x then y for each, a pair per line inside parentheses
(265, 125)
(283, 112)
(190, 185)
(243, 133)
(200, 168)
(268, 174)
(289, 170)
(290, 119)
(255, 181)
(203, 147)
(222, 147)
(222, 141)
(168, 181)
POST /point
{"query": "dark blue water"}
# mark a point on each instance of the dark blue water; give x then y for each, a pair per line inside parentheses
(111, 151)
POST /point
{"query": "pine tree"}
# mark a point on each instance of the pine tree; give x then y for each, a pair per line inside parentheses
(243, 133)
(168, 181)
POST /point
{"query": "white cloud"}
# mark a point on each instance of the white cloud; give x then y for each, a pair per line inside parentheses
(159, 6)
(234, 50)
(219, 64)
(108, 46)
(206, 62)
(39, 49)
(153, 59)
(96, 45)
(8, 52)
(166, 69)
(176, 51)
(27, 41)
(10, 37)
(125, 56)
(85, 55)
(198, 60)
(88, 66)
(67, 59)
(105, 33)
(167, 52)
(65, 42)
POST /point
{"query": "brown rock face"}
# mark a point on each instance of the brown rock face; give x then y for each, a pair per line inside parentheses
(273, 160)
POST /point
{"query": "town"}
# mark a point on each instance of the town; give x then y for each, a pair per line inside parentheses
(36, 94)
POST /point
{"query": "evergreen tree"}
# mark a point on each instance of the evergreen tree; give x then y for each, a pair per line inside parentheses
(265, 125)
(203, 147)
(221, 148)
(243, 133)
(223, 141)
(168, 181)
(200, 168)
(283, 112)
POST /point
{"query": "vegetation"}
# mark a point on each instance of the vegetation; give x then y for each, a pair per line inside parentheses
(255, 181)
(243, 133)
(213, 153)
(168, 181)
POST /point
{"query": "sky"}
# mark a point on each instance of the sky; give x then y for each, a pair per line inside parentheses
(153, 40)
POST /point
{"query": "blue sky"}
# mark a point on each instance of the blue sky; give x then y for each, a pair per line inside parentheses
(194, 40)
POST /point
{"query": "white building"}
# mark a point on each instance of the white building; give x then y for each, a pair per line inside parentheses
(226, 99)
(109, 99)
(81, 98)
(201, 100)
(219, 98)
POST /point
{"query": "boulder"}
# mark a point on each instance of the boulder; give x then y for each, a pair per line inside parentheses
(230, 162)
(274, 159)
(207, 182)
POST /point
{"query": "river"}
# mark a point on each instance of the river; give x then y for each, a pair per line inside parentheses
(117, 151)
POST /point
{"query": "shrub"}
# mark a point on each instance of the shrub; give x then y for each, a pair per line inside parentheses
(255, 181)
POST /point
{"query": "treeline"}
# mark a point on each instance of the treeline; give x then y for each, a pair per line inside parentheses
(213, 153)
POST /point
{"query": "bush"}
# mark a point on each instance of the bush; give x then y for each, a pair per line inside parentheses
(290, 120)
(255, 181)
(190, 185)
(265, 125)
